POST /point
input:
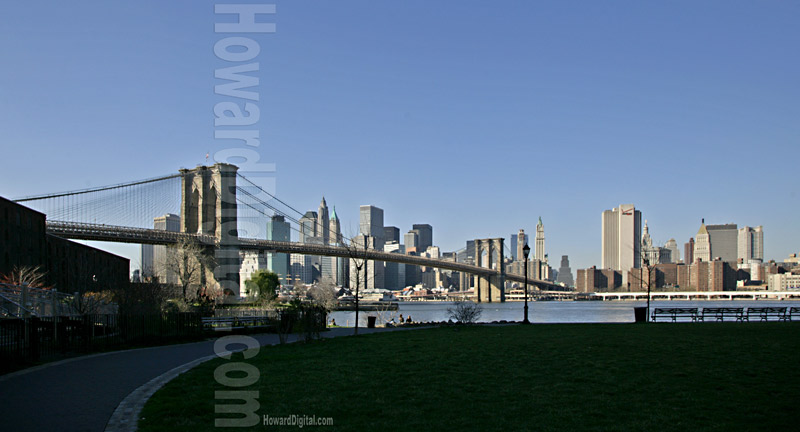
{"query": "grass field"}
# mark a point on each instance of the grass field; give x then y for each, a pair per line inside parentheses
(681, 377)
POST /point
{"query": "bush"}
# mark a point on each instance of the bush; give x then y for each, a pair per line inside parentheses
(465, 312)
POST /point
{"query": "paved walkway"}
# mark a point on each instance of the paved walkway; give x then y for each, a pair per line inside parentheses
(81, 394)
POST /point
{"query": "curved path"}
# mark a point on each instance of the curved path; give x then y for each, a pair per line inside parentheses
(81, 394)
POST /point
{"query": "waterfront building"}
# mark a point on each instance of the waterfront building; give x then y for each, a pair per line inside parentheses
(394, 273)
(68, 266)
(252, 261)
(784, 282)
(598, 280)
(371, 223)
(621, 238)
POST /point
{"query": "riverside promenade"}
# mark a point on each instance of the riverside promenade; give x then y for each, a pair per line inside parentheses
(81, 394)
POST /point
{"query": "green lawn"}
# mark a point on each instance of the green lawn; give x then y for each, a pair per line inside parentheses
(681, 377)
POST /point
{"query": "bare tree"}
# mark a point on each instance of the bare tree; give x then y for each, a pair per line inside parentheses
(323, 293)
(358, 256)
(192, 264)
(33, 277)
(465, 312)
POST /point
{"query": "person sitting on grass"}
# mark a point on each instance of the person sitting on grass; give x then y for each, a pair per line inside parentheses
(401, 318)
(408, 320)
(333, 322)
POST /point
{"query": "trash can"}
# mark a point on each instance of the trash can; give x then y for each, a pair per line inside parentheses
(640, 314)
(371, 321)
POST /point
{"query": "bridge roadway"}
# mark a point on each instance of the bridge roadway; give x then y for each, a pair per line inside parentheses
(118, 234)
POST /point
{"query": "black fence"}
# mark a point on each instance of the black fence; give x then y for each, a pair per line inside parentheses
(30, 340)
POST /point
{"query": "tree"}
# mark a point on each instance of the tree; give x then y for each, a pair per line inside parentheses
(190, 262)
(33, 277)
(143, 298)
(323, 294)
(465, 312)
(263, 285)
(358, 256)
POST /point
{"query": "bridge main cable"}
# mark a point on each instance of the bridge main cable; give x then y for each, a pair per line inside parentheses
(97, 189)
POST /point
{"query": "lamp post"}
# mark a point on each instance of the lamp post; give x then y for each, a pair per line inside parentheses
(525, 251)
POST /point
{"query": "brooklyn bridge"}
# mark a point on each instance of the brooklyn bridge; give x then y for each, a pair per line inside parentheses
(220, 208)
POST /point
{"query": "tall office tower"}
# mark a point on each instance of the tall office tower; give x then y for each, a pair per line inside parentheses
(425, 233)
(394, 275)
(391, 234)
(411, 240)
(370, 223)
(308, 226)
(335, 229)
(622, 233)
(702, 246)
(540, 254)
(564, 272)
(724, 242)
(516, 245)
(751, 243)
(374, 269)
(323, 224)
(279, 230)
(154, 258)
(674, 252)
(688, 251)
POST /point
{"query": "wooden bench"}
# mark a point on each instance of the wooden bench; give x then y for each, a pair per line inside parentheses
(674, 313)
(793, 312)
(765, 313)
(719, 314)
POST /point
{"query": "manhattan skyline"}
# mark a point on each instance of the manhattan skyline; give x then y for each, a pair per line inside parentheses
(476, 120)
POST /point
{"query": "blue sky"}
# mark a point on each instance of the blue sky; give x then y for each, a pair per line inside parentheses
(476, 117)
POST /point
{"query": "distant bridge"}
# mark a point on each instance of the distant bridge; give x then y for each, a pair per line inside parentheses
(119, 234)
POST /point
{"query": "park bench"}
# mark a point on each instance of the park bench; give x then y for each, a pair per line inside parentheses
(765, 313)
(793, 312)
(720, 313)
(674, 313)
(235, 322)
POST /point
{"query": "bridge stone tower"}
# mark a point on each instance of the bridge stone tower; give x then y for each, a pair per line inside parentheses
(490, 288)
(208, 206)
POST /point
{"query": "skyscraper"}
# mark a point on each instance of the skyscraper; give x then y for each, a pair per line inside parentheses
(335, 229)
(516, 246)
(540, 253)
(278, 263)
(371, 223)
(674, 252)
(425, 233)
(390, 234)
(323, 227)
(724, 242)
(621, 238)
(688, 251)
(308, 226)
(564, 272)
(154, 258)
(702, 244)
(411, 240)
(751, 243)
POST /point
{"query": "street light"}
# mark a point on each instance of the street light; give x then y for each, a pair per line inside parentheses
(525, 251)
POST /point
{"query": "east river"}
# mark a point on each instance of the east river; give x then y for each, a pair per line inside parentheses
(544, 311)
